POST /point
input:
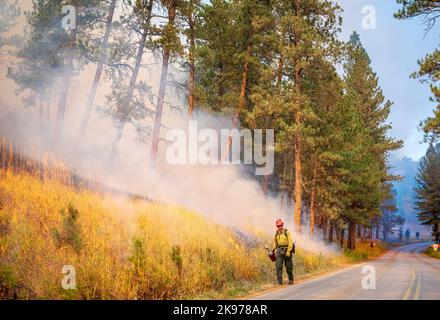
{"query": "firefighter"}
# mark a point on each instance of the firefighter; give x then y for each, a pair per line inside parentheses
(282, 246)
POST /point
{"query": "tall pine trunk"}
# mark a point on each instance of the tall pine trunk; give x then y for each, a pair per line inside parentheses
(65, 85)
(162, 88)
(279, 78)
(351, 238)
(98, 72)
(298, 169)
(298, 138)
(341, 238)
(312, 203)
(330, 232)
(385, 234)
(436, 232)
(290, 190)
(133, 80)
(283, 181)
(322, 225)
(364, 232)
(244, 78)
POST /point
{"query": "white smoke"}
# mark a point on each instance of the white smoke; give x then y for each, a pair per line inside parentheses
(227, 194)
(224, 193)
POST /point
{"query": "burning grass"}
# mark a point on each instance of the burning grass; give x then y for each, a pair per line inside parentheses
(122, 248)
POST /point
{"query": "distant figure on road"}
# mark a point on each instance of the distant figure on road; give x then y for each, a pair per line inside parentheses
(283, 247)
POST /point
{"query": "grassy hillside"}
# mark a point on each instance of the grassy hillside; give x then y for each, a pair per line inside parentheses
(123, 249)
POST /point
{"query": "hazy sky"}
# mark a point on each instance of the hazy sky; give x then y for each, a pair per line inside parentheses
(394, 47)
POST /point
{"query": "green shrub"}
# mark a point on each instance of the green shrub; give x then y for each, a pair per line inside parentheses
(138, 258)
(8, 283)
(177, 258)
(71, 233)
(355, 256)
(430, 252)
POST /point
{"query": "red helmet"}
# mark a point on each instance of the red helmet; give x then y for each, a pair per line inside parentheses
(279, 223)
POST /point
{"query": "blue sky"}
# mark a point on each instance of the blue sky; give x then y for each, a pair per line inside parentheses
(394, 48)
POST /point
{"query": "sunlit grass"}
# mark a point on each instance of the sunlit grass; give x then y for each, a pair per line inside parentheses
(364, 251)
(120, 249)
(124, 249)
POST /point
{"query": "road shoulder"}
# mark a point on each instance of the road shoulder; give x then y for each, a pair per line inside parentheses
(270, 288)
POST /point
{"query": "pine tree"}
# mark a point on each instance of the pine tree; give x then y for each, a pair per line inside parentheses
(51, 55)
(428, 190)
(389, 219)
(247, 30)
(429, 66)
(191, 16)
(99, 68)
(430, 73)
(428, 9)
(9, 12)
(39, 65)
(170, 45)
(219, 65)
(367, 140)
(322, 152)
(305, 39)
(70, 47)
(264, 83)
(125, 104)
(407, 233)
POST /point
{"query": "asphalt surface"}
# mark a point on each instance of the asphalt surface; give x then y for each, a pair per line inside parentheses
(403, 273)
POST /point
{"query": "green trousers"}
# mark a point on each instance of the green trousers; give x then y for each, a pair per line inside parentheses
(288, 262)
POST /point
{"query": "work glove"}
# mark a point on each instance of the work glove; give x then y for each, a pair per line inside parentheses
(288, 254)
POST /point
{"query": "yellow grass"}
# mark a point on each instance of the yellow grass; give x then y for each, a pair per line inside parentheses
(126, 248)
(123, 249)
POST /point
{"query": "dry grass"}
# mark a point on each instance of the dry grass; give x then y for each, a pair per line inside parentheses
(123, 249)
(364, 251)
(120, 249)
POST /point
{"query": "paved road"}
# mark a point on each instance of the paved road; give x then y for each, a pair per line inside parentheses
(402, 273)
